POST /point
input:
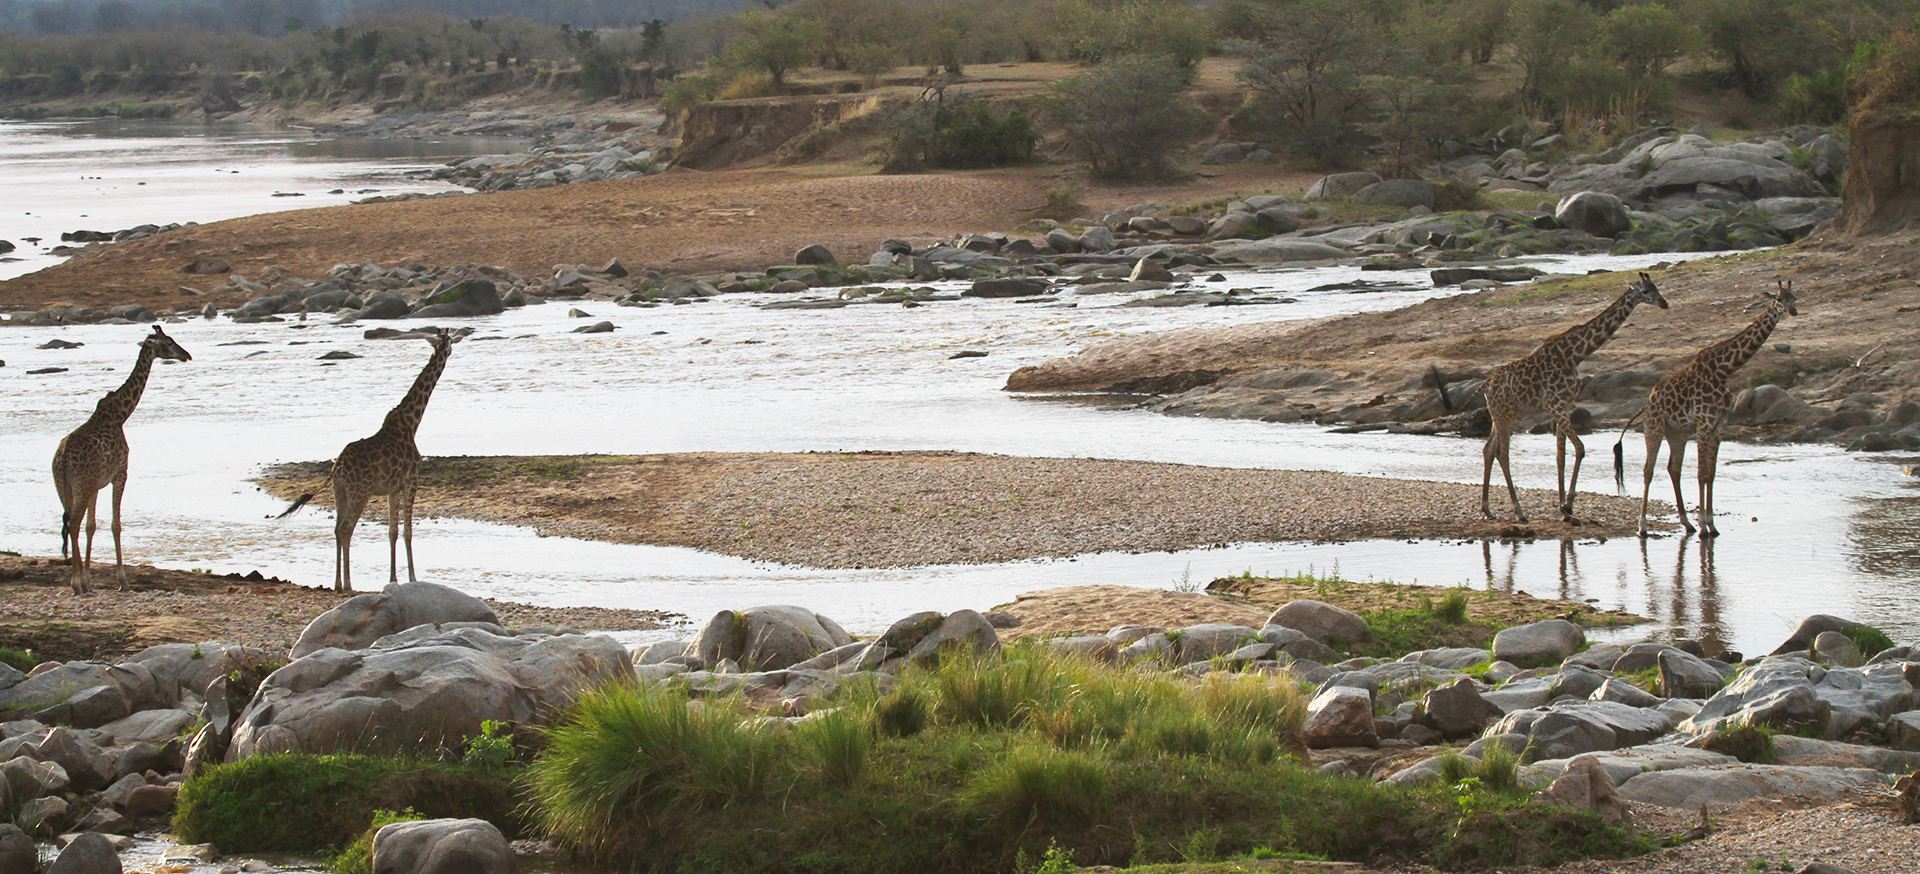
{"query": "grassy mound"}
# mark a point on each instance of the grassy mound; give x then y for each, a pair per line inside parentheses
(987, 764)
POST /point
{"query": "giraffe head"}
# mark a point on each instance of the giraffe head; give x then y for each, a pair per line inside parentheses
(163, 346)
(1644, 291)
(1785, 296)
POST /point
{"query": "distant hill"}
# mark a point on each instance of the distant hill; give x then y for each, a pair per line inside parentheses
(275, 17)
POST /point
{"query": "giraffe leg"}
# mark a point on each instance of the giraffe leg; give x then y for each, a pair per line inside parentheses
(348, 507)
(1573, 480)
(1506, 471)
(1497, 449)
(86, 561)
(1709, 446)
(393, 538)
(119, 558)
(1646, 474)
(1677, 446)
(405, 497)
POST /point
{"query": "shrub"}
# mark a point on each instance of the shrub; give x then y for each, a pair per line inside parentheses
(1125, 117)
(959, 133)
(1752, 744)
(1063, 203)
(297, 803)
(1870, 640)
(22, 660)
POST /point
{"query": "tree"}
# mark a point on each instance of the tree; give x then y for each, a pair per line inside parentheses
(1547, 36)
(1306, 72)
(770, 43)
(1125, 117)
(1648, 39)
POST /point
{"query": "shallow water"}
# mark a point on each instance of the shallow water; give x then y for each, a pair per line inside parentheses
(113, 174)
(1806, 529)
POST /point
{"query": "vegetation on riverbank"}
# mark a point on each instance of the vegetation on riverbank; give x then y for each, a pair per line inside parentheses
(978, 763)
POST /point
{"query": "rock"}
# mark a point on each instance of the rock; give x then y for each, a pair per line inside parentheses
(151, 800)
(1096, 239)
(1094, 647)
(1903, 731)
(429, 686)
(1018, 286)
(1199, 643)
(1585, 785)
(89, 853)
(595, 328)
(1810, 628)
(363, 619)
(1223, 153)
(29, 778)
(1834, 648)
(1149, 270)
(17, 852)
(1063, 241)
(1687, 676)
(1457, 710)
(1596, 213)
(441, 846)
(1321, 621)
(960, 630)
(1547, 641)
(1339, 185)
(190, 666)
(815, 254)
(1279, 219)
(1340, 716)
(43, 817)
(1569, 728)
(1397, 192)
(1621, 692)
(472, 297)
(106, 822)
(1458, 658)
(1693, 788)
(207, 266)
(767, 638)
(87, 765)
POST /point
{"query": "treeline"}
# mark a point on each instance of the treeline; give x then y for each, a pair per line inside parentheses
(277, 17)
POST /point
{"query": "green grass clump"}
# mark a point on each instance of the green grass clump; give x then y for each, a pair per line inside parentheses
(18, 659)
(1752, 744)
(298, 803)
(980, 763)
(1870, 640)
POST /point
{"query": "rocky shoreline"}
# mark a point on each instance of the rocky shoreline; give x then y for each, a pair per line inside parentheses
(99, 748)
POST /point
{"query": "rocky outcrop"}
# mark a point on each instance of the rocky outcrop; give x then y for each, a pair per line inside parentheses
(441, 846)
(361, 620)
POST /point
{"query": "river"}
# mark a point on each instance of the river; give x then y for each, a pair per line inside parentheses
(1806, 529)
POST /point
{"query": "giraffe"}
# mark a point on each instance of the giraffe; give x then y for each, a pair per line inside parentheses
(1696, 399)
(1546, 380)
(388, 463)
(94, 455)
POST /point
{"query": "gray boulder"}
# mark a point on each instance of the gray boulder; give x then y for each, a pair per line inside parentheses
(1457, 710)
(49, 690)
(1834, 648)
(1788, 693)
(1063, 241)
(815, 254)
(88, 766)
(1096, 239)
(155, 726)
(1694, 788)
(363, 619)
(1903, 731)
(1093, 647)
(1012, 286)
(29, 778)
(767, 638)
(1811, 627)
(383, 305)
(44, 817)
(1688, 676)
(1340, 716)
(18, 855)
(1397, 192)
(1538, 642)
(87, 853)
(1622, 692)
(1457, 658)
(1278, 250)
(194, 666)
(1339, 185)
(1570, 728)
(425, 688)
(441, 846)
(472, 297)
(1597, 213)
(1199, 643)
(1321, 621)
(1585, 785)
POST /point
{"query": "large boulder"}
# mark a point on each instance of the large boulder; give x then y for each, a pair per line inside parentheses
(1457, 710)
(88, 853)
(18, 855)
(1811, 627)
(1586, 785)
(1198, 643)
(767, 638)
(424, 688)
(1397, 192)
(1340, 716)
(1278, 250)
(441, 846)
(194, 666)
(1788, 694)
(1340, 185)
(472, 297)
(1694, 788)
(1547, 641)
(1597, 213)
(363, 619)
(1570, 728)
(1321, 621)
(50, 690)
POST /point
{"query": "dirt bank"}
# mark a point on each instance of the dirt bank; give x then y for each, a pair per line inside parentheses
(898, 509)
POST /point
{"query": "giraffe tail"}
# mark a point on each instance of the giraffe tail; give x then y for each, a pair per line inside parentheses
(297, 504)
(1620, 455)
(66, 530)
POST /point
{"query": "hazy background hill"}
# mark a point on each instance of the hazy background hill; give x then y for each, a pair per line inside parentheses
(275, 17)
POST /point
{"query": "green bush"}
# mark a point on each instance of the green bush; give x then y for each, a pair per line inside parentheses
(21, 660)
(1125, 117)
(1870, 640)
(959, 133)
(1752, 744)
(297, 803)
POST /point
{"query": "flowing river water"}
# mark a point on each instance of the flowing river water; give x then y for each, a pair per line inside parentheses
(1806, 529)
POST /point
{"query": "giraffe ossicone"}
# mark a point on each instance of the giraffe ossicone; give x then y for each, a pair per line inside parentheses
(95, 456)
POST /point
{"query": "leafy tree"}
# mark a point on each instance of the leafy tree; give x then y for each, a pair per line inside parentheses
(1761, 41)
(1548, 35)
(1413, 114)
(1648, 39)
(1125, 117)
(1307, 70)
(1094, 32)
(772, 43)
(959, 132)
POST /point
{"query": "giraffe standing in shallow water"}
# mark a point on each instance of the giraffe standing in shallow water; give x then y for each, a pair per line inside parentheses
(94, 455)
(1695, 400)
(1547, 380)
(388, 463)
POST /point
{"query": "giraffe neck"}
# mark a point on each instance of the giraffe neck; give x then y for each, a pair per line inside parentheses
(1723, 358)
(119, 403)
(1582, 340)
(405, 417)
